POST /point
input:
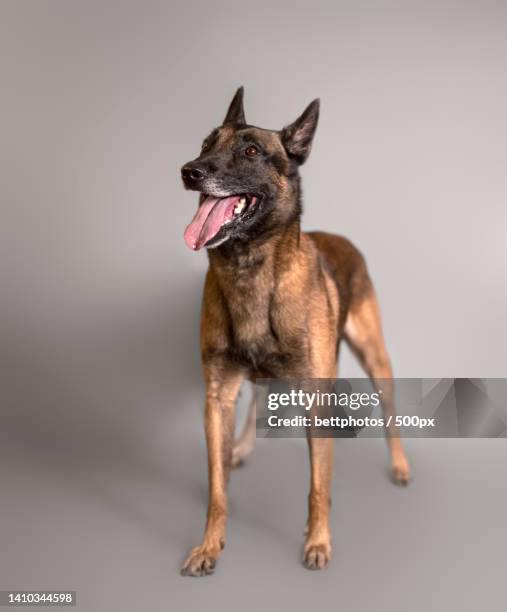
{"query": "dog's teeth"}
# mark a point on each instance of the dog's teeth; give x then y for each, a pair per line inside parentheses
(239, 206)
(242, 200)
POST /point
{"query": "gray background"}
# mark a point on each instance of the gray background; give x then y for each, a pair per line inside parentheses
(103, 473)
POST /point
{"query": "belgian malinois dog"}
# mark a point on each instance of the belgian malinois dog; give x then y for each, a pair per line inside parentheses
(277, 302)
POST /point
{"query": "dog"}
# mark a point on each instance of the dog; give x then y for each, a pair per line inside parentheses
(277, 303)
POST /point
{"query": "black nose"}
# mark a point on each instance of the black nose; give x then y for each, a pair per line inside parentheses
(188, 172)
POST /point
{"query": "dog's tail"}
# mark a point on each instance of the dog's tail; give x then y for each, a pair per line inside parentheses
(244, 445)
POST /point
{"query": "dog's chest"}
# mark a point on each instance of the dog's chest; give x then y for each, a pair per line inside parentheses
(249, 302)
(257, 339)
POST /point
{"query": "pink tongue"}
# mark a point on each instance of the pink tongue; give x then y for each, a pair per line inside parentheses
(208, 220)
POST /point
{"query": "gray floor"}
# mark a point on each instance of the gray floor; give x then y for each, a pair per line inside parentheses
(116, 529)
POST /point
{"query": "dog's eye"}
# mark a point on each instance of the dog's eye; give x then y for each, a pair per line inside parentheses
(251, 151)
(205, 147)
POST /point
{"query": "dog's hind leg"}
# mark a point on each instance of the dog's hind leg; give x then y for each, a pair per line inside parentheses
(363, 334)
(244, 445)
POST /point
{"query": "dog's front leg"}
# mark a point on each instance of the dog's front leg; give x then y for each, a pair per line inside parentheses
(317, 551)
(222, 388)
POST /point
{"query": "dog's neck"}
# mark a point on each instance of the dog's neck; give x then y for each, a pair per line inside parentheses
(276, 241)
(245, 258)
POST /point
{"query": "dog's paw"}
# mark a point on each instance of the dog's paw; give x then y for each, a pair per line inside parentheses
(237, 459)
(317, 556)
(200, 562)
(400, 472)
(241, 452)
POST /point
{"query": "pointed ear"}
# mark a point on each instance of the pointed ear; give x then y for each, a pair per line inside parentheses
(297, 137)
(236, 114)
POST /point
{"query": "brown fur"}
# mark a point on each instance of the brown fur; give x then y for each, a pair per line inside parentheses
(277, 306)
(280, 313)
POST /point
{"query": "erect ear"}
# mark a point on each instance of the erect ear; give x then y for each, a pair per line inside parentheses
(297, 137)
(236, 114)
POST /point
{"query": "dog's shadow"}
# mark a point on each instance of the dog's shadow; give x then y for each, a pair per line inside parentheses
(117, 391)
(117, 408)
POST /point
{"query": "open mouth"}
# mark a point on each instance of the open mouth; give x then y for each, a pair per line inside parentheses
(215, 213)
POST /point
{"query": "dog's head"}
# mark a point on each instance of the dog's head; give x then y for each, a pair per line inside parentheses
(248, 177)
